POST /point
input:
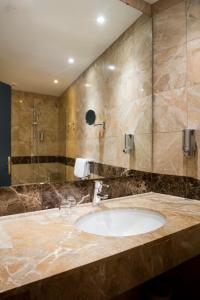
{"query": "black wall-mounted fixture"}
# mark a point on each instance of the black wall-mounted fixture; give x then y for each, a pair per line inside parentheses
(90, 117)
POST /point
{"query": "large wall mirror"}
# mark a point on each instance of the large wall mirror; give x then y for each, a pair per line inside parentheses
(59, 63)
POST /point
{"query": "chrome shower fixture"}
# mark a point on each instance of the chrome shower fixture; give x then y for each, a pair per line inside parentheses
(189, 142)
(128, 143)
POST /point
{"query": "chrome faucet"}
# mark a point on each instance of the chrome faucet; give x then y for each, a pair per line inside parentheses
(98, 195)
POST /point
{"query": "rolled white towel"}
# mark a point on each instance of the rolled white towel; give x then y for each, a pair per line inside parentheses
(82, 168)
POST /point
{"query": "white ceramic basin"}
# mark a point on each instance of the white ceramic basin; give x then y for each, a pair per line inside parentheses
(121, 222)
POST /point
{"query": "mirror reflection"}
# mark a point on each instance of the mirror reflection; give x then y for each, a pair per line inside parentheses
(66, 69)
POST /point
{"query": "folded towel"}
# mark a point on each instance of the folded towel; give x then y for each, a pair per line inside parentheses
(82, 168)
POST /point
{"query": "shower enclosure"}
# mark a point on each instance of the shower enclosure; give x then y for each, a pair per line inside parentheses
(35, 139)
(44, 142)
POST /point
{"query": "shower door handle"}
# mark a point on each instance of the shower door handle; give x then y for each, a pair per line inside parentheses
(9, 165)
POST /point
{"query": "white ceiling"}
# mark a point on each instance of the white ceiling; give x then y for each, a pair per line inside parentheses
(38, 36)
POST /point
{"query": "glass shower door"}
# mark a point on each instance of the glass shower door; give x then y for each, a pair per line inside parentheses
(45, 142)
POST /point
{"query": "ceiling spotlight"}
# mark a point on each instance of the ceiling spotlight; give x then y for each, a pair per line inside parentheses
(87, 85)
(55, 81)
(101, 20)
(71, 60)
(111, 67)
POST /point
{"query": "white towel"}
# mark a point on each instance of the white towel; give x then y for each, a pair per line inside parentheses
(82, 168)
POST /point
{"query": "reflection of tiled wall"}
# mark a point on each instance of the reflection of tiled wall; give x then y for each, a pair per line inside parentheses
(32, 173)
(121, 97)
(176, 84)
(23, 143)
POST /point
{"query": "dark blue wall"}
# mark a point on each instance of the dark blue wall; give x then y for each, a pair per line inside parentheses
(5, 133)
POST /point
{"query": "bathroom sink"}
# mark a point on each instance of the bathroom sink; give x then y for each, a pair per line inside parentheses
(121, 222)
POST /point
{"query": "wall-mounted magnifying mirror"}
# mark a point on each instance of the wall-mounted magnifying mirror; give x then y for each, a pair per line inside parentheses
(90, 117)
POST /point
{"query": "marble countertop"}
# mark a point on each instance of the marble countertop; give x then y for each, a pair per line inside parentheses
(43, 256)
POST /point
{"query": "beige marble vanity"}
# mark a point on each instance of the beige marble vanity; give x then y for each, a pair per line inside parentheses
(43, 255)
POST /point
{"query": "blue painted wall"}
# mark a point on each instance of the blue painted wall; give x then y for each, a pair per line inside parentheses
(5, 133)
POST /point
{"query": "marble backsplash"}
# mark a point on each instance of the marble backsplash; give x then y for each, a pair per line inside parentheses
(35, 197)
(27, 198)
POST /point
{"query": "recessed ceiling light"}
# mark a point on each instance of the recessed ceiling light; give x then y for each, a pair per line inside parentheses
(56, 81)
(71, 60)
(111, 67)
(87, 85)
(101, 20)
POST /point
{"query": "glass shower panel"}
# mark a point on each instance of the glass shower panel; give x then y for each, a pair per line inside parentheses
(44, 141)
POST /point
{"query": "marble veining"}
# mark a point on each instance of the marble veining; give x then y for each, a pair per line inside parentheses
(49, 258)
(176, 78)
(123, 103)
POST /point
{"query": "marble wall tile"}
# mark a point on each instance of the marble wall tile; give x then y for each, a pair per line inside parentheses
(170, 110)
(193, 94)
(169, 27)
(107, 151)
(193, 53)
(125, 186)
(71, 148)
(124, 121)
(193, 19)
(48, 109)
(140, 5)
(142, 42)
(34, 173)
(122, 98)
(70, 174)
(21, 126)
(48, 171)
(142, 154)
(192, 188)
(16, 200)
(169, 185)
(62, 127)
(139, 159)
(176, 65)
(167, 154)
(50, 146)
(23, 173)
(169, 86)
(21, 141)
(95, 148)
(161, 5)
(170, 68)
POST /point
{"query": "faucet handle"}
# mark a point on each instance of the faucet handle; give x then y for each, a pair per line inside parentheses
(101, 185)
(98, 195)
